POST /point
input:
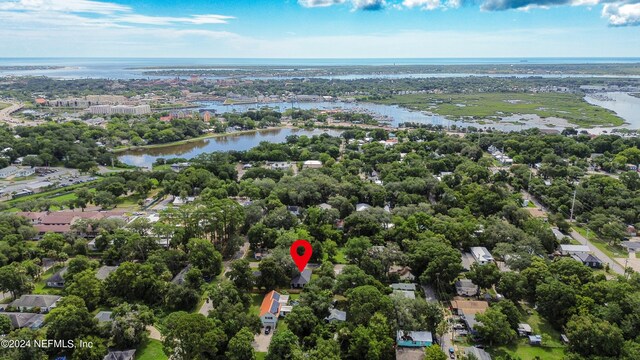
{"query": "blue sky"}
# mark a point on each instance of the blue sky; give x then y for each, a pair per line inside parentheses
(320, 28)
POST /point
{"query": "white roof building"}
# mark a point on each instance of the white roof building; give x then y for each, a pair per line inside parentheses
(481, 255)
(567, 249)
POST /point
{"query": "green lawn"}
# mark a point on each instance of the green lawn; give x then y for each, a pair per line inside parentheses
(3, 105)
(611, 251)
(339, 258)
(151, 350)
(41, 285)
(261, 355)
(571, 107)
(256, 301)
(552, 346)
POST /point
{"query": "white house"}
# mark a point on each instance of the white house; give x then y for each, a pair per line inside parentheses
(567, 249)
(312, 164)
(481, 255)
(8, 171)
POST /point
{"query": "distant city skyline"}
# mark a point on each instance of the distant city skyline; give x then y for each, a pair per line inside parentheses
(320, 28)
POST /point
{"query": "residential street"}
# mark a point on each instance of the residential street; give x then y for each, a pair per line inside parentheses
(614, 266)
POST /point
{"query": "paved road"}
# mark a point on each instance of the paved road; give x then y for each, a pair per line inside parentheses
(604, 257)
(613, 265)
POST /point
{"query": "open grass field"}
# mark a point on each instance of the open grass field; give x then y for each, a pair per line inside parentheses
(3, 105)
(570, 107)
(151, 350)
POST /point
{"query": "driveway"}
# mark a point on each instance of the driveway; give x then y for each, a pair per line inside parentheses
(261, 341)
(409, 354)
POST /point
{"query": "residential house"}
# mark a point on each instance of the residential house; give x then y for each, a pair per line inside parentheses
(362, 207)
(121, 355)
(280, 165)
(24, 320)
(104, 271)
(465, 287)
(29, 302)
(301, 280)
(589, 260)
(481, 255)
(524, 329)
(535, 340)
(404, 294)
(295, 210)
(104, 316)
(177, 167)
(179, 279)
(325, 206)
(312, 164)
(403, 272)
(567, 249)
(403, 286)
(557, 233)
(270, 309)
(57, 279)
(336, 315)
(414, 338)
(467, 310)
(8, 171)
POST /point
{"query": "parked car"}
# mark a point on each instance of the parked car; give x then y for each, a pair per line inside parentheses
(267, 330)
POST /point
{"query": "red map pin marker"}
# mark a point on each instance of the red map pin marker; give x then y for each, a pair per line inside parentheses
(301, 260)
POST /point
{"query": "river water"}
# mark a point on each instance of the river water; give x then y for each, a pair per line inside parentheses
(134, 68)
(623, 104)
(240, 142)
(626, 106)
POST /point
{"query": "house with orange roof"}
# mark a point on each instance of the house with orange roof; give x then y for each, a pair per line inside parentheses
(270, 308)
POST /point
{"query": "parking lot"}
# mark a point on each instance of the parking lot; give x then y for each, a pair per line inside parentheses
(58, 176)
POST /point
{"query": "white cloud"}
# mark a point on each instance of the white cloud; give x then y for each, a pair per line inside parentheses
(166, 20)
(73, 6)
(622, 15)
(371, 5)
(319, 3)
(422, 4)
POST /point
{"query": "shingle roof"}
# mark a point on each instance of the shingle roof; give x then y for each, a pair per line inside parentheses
(120, 355)
(22, 320)
(179, 279)
(302, 279)
(335, 314)
(31, 301)
(58, 277)
(104, 271)
(104, 316)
